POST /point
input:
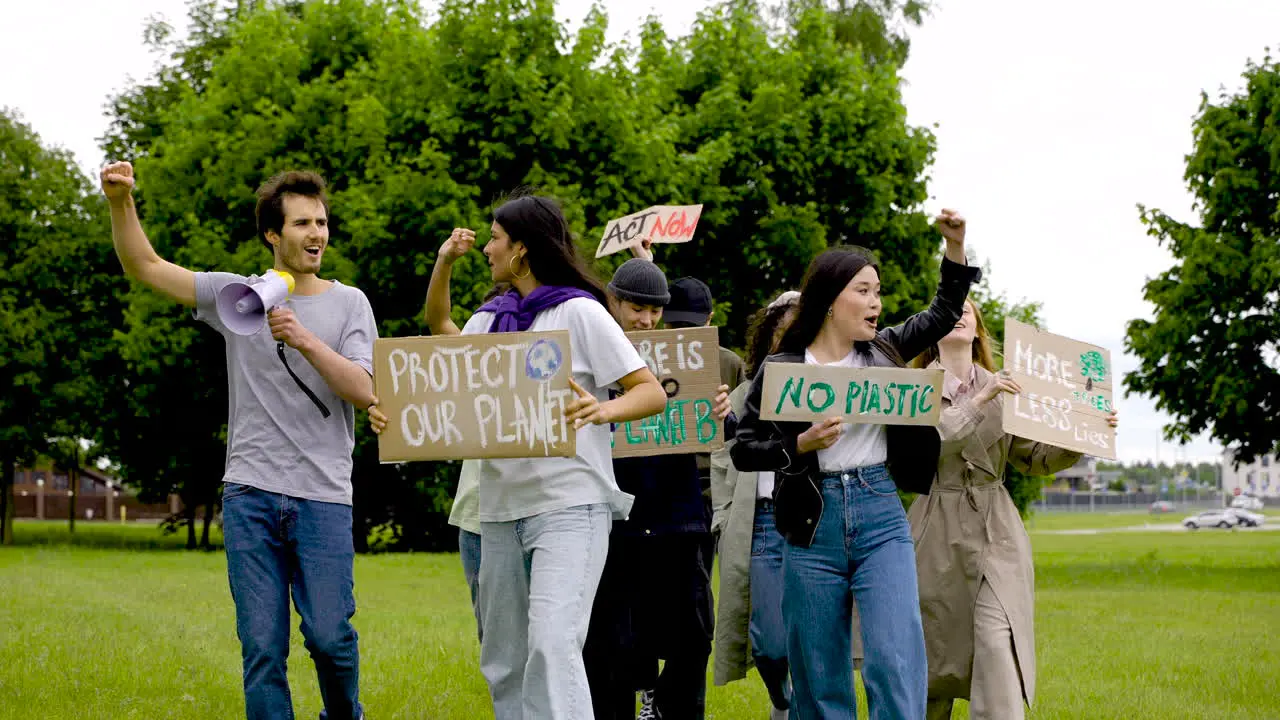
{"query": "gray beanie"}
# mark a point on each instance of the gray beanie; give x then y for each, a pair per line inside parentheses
(640, 281)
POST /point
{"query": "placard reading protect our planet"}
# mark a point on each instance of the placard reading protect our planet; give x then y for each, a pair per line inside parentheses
(496, 395)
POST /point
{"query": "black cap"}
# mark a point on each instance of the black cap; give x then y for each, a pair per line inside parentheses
(640, 281)
(690, 304)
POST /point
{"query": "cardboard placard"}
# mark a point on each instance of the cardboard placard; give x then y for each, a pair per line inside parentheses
(873, 395)
(658, 224)
(1066, 390)
(687, 363)
(499, 395)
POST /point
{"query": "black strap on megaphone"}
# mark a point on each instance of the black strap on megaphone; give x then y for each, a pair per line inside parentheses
(280, 351)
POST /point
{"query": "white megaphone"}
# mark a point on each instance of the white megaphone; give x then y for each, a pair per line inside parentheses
(243, 306)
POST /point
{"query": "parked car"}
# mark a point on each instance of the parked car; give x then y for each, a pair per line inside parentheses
(1246, 502)
(1160, 507)
(1246, 518)
(1211, 518)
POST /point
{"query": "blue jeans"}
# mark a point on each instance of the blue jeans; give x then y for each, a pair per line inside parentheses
(766, 630)
(537, 584)
(469, 549)
(862, 552)
(278, 544)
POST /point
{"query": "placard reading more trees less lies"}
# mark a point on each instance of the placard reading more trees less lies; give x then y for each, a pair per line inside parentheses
(878, 395)
(499, 395)
(687, 363)
(1066, 390)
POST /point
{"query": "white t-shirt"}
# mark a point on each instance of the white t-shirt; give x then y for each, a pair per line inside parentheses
(466, 502)
(764, 484)
(523, 487)
(861, 444)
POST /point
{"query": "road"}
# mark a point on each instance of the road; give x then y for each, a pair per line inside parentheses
(1162, 527)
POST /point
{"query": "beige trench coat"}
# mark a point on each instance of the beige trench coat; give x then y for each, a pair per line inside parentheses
(968, 529)
(733, 497)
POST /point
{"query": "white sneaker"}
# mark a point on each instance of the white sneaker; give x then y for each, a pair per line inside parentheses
(647, 709)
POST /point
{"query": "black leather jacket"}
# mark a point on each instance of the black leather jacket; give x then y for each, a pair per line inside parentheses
(913, 449)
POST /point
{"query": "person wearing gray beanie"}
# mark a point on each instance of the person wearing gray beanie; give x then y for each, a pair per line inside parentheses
(637, 294)
(654, 598)
(640, 282)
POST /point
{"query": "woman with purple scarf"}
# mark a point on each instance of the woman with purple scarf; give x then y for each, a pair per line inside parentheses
(545, 522)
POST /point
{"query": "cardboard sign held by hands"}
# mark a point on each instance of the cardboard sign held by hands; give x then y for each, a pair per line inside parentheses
(1066, 390)
(496, 395)
(658, 224)
(799, 392)
(687, 363)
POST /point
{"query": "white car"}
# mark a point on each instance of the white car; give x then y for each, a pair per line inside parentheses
(1247, 518)
(1211, 518)
(1246, 502)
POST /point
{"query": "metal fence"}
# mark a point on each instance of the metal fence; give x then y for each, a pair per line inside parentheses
(1111, 501)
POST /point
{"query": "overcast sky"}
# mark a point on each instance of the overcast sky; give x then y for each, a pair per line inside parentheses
(1054, 121)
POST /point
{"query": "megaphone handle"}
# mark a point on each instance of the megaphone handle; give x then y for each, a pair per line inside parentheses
(280, 351)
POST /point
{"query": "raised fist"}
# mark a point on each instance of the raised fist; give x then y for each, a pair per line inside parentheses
(951, 224)
(459, 243)
(117, 181)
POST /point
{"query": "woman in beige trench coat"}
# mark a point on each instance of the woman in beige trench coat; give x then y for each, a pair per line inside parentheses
(973, 555)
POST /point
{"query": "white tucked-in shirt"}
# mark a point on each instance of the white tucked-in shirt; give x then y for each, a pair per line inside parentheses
(860, 444)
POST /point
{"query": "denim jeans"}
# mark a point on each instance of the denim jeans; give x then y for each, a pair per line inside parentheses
(469, 549)
(277, 544)
(537, 583)
(862, 552)
(766, 630)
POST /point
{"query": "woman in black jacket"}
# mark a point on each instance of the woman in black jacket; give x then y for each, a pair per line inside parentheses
(836, 500)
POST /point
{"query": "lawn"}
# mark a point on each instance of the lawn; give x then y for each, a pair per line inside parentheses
(122, 624)
(1071, 520)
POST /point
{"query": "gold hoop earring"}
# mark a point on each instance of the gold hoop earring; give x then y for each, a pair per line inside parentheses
(512, 270)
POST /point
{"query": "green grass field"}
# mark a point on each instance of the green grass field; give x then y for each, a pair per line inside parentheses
(121, 624)
(1069, 520)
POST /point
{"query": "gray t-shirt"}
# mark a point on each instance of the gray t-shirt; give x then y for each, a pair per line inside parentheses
(523, 487)
(277, 439)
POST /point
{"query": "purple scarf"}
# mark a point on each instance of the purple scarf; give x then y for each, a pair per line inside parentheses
(512, 313)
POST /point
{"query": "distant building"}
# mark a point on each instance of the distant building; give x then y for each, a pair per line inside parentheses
(45, 494)
(1260, 478)
(1079, 477)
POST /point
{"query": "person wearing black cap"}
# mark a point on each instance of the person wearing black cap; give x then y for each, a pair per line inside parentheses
(654, 598)
(692, 306)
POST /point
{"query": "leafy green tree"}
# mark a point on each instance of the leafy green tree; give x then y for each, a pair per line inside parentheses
(1211, 358)
(792, 141)
(876, 28)
(57, 307)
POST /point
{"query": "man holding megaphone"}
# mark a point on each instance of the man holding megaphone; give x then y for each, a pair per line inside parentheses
(299, 361)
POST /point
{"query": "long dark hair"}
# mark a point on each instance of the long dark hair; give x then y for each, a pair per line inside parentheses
(764, 325)
(828, 275)
(538, 223)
